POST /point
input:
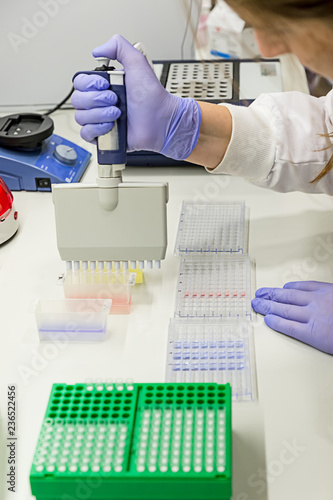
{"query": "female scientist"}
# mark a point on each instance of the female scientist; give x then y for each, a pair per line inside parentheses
(285, 137)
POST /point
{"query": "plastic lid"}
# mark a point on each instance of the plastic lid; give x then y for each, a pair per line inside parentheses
(6, 198)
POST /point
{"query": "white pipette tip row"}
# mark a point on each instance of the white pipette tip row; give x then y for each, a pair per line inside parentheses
(109, 266)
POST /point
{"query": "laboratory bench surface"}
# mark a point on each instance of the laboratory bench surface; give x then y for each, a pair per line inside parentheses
(283, 442)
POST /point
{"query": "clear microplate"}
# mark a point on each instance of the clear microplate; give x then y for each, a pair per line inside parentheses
(214, 288)
(86, 285)
(206, 351)
(206, 228)
(72, 319)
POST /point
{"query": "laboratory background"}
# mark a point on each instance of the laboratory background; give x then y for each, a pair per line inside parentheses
(132, 363)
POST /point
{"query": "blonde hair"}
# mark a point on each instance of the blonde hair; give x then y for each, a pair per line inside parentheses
(329, 165)
(293, 9)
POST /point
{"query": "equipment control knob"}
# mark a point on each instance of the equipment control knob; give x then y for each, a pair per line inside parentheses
(65, 154)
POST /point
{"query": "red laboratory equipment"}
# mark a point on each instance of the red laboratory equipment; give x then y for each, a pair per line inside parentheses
(8, 215)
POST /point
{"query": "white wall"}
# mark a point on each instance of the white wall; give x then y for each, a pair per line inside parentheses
(44, 42)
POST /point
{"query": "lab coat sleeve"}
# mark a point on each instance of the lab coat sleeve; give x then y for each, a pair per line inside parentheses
(276, 142)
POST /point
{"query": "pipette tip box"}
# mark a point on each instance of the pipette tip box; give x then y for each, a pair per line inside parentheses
(135, 442)
(212, 351)
(207, 228)
(214, 288)
(72, 319)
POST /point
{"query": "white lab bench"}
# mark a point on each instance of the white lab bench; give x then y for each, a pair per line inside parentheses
(283, 443)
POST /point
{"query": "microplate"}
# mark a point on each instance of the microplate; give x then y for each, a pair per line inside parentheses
(218, 352)
(202, 80)
(138, 441)
(214, 288)
(207, 228)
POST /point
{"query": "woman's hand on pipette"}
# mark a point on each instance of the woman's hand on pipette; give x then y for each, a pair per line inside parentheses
(302, 310)
(157, 120)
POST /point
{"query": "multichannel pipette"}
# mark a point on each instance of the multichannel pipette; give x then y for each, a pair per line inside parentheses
(111, 221)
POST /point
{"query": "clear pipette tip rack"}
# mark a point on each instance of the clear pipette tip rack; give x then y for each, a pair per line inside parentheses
(211, 228)
(218, 352)
(214, 288)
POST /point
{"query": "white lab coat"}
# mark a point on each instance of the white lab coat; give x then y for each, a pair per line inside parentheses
(276, 144)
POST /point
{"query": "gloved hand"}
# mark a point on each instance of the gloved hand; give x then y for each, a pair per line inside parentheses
(156, 120)
(302, 309)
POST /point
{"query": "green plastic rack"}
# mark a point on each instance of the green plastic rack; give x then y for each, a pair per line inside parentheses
(135, 441)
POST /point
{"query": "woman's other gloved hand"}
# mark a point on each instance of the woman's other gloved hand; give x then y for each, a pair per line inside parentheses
(303, 310)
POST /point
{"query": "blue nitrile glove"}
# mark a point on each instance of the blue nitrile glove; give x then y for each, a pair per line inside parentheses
(157, 120)
(302, 309)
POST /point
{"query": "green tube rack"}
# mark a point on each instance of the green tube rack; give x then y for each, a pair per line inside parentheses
(135, 442)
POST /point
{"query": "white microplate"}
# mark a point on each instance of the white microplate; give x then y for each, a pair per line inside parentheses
(72, 319)
(206, 228)
(214, 288)
(212, 352)
(204, 81)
